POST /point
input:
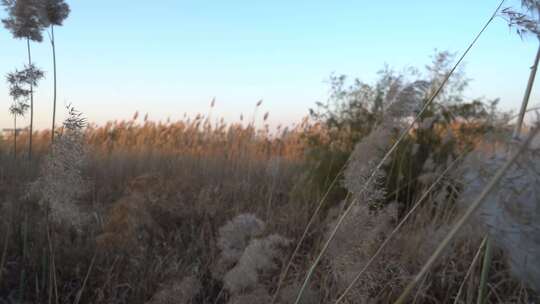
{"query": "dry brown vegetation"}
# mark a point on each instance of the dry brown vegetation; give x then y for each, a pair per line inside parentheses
(152, 208)
(193, 212)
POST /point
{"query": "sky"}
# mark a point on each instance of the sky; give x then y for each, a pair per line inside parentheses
(167, 58)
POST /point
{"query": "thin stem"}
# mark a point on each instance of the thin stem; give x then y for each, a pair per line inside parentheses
(80, 292)
(52, 261)
(535, 108)
(389, 153)
(4, 251)
(31, 104)
(468, 213)
(485, 272)
(15, 136)
(54, 81)
(469, 271)
(526, 97)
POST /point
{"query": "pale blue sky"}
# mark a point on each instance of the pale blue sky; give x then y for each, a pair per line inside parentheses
(169, 57)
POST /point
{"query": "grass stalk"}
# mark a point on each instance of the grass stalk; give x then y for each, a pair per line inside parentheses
(22, 282)
(80, 292)
(52, 264)
(469, 271)
(527, 95)
(31, 130)
(485, 271)
(4, 253)
(53, 46)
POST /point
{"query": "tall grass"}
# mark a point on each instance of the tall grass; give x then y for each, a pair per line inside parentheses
(157, 200)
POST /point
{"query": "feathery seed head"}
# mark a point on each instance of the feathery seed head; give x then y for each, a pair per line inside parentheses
(24, 19)
(178, 292)
(234, 237)
(258, 257)
(53, 12)
(18, 108)
(511, 212)
(61, 183)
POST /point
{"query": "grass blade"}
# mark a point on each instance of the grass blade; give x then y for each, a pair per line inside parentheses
(469, 271)
(485, 271)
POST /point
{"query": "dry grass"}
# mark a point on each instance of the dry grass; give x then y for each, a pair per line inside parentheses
(162, 225)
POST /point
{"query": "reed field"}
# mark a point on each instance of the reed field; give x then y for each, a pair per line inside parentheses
(194, 212)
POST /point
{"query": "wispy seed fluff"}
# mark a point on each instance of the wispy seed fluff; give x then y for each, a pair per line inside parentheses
(403, 102)
(234, 237)
(61, 182)
(355, 242)
(247, 258)
(511, 213)
(177, 292)
(259, 257)
(349, 255)
(236, 234)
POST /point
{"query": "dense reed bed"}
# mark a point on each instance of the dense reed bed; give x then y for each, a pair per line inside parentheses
(397, 191)
(194, 212)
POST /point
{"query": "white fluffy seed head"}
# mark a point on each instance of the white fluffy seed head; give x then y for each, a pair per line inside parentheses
(61, 183)
(236, 234)
(259, 256)
(511, 212)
